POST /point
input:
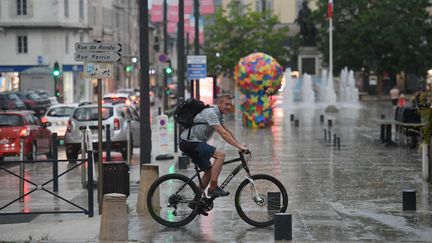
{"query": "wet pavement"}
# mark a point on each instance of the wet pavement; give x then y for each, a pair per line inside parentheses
(351, 194)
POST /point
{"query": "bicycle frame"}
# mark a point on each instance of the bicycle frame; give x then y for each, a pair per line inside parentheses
(229, 177)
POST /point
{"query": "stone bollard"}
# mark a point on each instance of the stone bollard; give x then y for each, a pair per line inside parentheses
(114, 220)
(149, 173)
(409, 200)
(283, 226)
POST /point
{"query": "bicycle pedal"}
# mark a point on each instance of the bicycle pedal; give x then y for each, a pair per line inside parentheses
(203, 213)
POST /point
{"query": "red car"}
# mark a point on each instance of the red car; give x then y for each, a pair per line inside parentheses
(15, 125)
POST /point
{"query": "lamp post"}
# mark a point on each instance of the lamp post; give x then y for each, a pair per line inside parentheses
(145, 130)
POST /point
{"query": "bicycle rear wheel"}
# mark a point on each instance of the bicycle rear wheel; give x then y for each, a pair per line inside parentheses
(168, 198)
(259, 210)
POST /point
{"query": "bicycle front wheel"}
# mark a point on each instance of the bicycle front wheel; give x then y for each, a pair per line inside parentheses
(168, 200)
(257, 202)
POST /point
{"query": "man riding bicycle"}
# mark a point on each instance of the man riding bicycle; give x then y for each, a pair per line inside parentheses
(193, 142)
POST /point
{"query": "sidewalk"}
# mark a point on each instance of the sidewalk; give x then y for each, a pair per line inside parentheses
(351, 194)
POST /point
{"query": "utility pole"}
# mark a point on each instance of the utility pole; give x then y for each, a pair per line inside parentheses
(181, 53)
(145, 130)
(196, 41)
(165, 51)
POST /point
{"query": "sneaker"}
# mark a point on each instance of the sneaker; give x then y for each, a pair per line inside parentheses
(217, 193)
(192, 205)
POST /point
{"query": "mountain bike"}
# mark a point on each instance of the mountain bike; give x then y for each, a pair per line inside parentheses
(174, 200)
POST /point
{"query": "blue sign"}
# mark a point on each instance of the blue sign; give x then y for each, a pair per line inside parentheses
(196, 67)
(197, 71)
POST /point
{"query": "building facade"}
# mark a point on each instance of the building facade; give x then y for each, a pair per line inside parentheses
(35, 33)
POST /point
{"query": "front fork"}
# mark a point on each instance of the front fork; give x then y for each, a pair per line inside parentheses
(257, 197)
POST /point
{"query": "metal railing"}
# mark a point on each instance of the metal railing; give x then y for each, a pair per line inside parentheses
(54, 180)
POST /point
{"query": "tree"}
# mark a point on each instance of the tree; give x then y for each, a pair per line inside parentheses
(380, 35)
(238, 32)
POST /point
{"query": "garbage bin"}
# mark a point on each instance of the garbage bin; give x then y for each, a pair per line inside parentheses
(116, 177)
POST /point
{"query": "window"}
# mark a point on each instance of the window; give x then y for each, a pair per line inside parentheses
(21, 7)
(81, 9)
(31, 119)
(66, 43)
(66, 8)
(22, 44)
(93, 15)
(260, 3)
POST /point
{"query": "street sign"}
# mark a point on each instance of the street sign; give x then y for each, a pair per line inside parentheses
(196, 67)
(98, 70)
(98, 47)
(97, 57)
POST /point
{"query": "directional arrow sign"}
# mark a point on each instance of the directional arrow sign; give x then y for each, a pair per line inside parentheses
(98, 47)
(96, 57)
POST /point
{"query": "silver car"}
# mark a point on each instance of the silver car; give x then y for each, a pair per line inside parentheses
(59, 115)
(116, 115)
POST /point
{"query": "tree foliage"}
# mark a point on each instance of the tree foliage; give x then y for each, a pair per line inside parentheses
(379, 35)
(238, 32)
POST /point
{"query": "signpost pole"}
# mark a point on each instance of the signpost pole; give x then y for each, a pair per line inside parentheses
(100, 169)
(100, 57)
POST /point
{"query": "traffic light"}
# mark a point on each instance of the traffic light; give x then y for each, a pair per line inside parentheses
(168, 70)
(129, 68)
(168, 91)
(56, 69)
(57, 93)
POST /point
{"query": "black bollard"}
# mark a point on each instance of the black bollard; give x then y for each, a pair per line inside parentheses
(283, 226)
(274, 199)
(54, 153)
(325, 134)
(183, 162)
(409, 199)
(296, 123)
(159, 111)
(338, 143)
(90, 183)
(292, 117)
(330, 123)
(321, 119)
(334, 139)
(329, 134)
(108, 142)
(382, 133)
(388, 133)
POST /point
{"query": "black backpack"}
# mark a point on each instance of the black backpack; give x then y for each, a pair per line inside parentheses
(186, 111)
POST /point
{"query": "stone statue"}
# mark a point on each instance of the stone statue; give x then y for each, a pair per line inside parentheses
(307, 29)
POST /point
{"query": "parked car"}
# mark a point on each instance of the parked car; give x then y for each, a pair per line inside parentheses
(15, 125)
(115, 114)
(10, 101)
(58, 116)
(32, 101)
(121, 97)
(52, 100)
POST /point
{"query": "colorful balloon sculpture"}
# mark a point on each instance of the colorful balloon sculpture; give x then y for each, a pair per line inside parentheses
(259, 77)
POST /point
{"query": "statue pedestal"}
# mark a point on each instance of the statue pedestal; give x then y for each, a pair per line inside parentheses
(309, 60)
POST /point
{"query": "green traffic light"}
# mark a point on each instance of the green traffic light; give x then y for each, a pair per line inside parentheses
(128, 69)
(56, 69)
(168, 70)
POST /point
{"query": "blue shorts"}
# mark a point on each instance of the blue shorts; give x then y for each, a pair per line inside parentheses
(199, 152)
